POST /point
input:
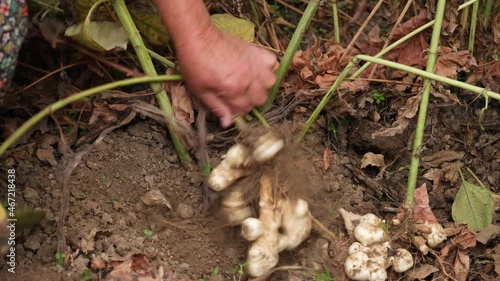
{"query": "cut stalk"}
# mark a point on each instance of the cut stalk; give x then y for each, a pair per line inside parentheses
(303, 24)
(87, 93)
(473, 24)
(148, 67)
(422, 112)
(487, 13)
(336, 25)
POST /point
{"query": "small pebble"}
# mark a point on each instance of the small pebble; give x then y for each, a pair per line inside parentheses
(185, 211)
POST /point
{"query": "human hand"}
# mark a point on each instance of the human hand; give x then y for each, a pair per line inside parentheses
(229, 75)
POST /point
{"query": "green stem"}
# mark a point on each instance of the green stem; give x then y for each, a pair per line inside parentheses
(487, 13)
(303, 24)
(167, 63)
(395, 65)
(87, 93)
(148, 67)
(473, 24)
(422, 112)
(336, 26)
(392, 46)
(261, 118)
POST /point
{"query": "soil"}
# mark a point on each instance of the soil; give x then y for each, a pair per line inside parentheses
(107, 216)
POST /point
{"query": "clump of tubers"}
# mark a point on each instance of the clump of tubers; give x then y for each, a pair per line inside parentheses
(292, 217)
(369, 257)
(240, 157)
(282, 224)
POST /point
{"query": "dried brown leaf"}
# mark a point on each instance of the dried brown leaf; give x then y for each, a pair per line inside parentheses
(441, 157)
(495, 27)
(372, 159)
(327, 158)
(182, 104)
(465, 239)
(489, 233)
(434, 175)
(405, 113)
(136, 268)
(461, 266)
(422, 271)
(155, 197)
(450, 63)
(422, 210)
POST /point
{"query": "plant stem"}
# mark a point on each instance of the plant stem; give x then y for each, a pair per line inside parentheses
(261, 118)
(336, 26)
(148, 67)
(422, 112)
(303, 24)
(87, 93)
(395, 65)
(167, 63)
(487, 13)
(473, 24)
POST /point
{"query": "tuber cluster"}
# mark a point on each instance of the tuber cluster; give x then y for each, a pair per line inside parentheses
(282, 224)
(371, 256)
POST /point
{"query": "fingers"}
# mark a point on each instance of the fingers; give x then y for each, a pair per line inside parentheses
(219, 108)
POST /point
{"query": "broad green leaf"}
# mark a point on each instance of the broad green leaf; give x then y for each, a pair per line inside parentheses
(104, 36)
(82, 8)
(235, 26)
(473, 205)
(150, 25)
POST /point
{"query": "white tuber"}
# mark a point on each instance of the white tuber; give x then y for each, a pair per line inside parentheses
(296, 223)
(433, 232)
(235, 216)
(369, 230)
(263, 254)
(238, 156)
(234, 205)
(231, 168)
(369, 258)
(252, 229)
(267, 146)
(402, 260)
(358, 267)
(420, 242)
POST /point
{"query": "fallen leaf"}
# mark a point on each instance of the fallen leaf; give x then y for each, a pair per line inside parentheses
(495, 27)
(148, 22)
(473, 205)
(405, 114)
(241, 28)
(422, 271)
(136, 268)
(438, 158)
(182, 104)
(411, 52)
(87, 243)
(434, 175)
(422, 210)
(98, 263)
(104, 35)
(450, 171)
(461, 266)
(496, 258)
(372, 159)
(487, 234)
(155, 197)
(465, 239)
(327, 158)
(449, 64)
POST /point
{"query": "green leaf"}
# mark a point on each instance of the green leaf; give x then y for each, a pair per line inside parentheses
(473, 205)
(104, 35)
(235, 26)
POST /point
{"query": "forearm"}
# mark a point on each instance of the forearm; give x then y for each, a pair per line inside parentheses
(187, 21)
